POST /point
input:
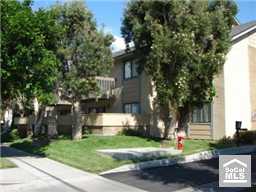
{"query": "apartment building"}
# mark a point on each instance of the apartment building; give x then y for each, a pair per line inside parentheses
(235, 87)
(127, 98)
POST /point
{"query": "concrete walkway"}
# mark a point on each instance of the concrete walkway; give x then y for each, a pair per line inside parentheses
(139, 152)
(43, 174)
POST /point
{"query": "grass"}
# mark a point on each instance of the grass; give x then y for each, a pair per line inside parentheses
(5, 163)
(83, 155)
(197, 145)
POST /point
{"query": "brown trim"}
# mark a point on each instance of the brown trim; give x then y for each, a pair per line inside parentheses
(209, 123)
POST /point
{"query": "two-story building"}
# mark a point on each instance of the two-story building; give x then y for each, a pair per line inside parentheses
(127, 98)
(235, 99)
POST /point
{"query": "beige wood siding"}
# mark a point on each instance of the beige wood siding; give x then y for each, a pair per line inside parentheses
(200, 131)
(252, 65)
(218, 108)
(131, 90)
(117, 73)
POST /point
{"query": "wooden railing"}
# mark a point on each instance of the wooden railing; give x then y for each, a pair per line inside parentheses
(105, 83)
(106, 86)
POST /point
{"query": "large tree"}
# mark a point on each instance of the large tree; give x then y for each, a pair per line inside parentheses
(85, 53)
(182, 45)
(29, 64)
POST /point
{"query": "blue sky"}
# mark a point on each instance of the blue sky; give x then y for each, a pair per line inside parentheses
(109, 13)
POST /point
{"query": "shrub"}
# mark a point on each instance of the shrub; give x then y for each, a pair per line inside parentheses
(246, 138)
(10, 136)
(130, 132)
(225, 142)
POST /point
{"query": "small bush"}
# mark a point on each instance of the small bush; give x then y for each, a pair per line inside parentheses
(10, 136)
(130, 132)
(225, 142)
(86, 130)
(246, 138)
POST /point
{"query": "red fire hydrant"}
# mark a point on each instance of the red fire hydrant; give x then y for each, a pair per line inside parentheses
(180, 140)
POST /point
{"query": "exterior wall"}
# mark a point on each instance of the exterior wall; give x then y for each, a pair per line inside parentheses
(21, 120)
(93, 103)
(237, 89)
(112, 123)
(150, 108)
(64, 124)
(130, 88)
(200, 131)
(252, 65)
(117, 72)
(218, 108)
(139, 89)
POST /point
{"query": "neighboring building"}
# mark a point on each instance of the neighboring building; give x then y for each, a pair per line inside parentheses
(127, 99)
(235, 86)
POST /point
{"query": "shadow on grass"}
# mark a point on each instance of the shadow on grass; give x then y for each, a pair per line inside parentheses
(35, 147)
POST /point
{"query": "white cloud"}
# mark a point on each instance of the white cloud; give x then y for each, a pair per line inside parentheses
(118, 44)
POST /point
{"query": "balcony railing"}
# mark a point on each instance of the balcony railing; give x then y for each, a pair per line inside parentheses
(105, 83)
(106, 86)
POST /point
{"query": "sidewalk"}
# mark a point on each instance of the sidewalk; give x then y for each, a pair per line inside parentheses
(43, 174)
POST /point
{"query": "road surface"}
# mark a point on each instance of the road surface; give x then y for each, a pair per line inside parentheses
(196, 175)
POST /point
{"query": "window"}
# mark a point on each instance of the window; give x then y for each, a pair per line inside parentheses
(130, 70)
(127, 70)
(202, 114)
(131, 108)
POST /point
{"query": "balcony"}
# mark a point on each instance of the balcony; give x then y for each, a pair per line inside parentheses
(105, 83)
(107, 88)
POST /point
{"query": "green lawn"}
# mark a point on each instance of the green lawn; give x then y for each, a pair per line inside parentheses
(82, 154)
(4, 163)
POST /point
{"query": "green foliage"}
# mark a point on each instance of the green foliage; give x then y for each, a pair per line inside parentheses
(83, 154)
(181, 44)
(246, 138)
(10, 136)
(84, 51)
(28, 45)
(225, 142)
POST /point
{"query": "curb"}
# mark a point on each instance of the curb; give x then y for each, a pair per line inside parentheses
(204, 155)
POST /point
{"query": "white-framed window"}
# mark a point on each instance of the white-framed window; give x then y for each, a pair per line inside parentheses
(130, 70)
(202, 114)
(127, 70)
(131, 108)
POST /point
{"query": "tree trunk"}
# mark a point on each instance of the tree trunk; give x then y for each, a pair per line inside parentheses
(76, 127)
(183, 119)
(8, 119)
(170, 122)
(52, 124)
(39, 112)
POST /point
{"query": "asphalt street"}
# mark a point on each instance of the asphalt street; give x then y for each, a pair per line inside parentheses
(177, 177)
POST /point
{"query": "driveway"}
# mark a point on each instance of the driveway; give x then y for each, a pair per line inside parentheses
(201, 175)
(43, 175)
